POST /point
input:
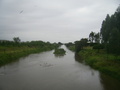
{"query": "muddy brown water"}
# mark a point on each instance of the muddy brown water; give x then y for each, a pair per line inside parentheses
(45, 71)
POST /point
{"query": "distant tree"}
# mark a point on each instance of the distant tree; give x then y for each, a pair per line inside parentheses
(110, 32)
(105, 29)
(118, 9)
(80, 44)
(69, 44)
(59, 43)
(97, 37)
(83, 42)
(91, 37)
(16, 39)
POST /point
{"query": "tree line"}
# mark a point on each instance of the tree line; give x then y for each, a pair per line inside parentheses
(108, 38)
(17, 43)
(110, 32)
(30, 44)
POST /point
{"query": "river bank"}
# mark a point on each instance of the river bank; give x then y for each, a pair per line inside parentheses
(11, 54)
(101, 61)
(11, 51)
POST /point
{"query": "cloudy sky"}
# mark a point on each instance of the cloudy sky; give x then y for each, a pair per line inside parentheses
(53, 20)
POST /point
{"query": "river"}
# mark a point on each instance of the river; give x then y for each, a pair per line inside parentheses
(45, 71)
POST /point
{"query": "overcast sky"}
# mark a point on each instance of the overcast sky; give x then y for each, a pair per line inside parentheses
(53, 20)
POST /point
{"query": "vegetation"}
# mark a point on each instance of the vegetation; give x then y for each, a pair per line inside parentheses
(101, 61)
(102, 50)
(59, 51)
(80, 44)
(70, 46)
(94, 37)
(108, 38)
(13, 50)
(110, 33)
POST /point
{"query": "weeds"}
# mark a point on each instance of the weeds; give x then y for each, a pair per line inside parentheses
(102, 61)
(10, 54)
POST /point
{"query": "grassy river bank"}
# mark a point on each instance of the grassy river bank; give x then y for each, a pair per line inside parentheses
(11, 51)
(11, 54)
(106, 63)
(100, 60)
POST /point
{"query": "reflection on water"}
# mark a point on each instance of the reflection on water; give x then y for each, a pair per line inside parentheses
(78, 58)
(109, 83)
(45, 71)
(59, 55)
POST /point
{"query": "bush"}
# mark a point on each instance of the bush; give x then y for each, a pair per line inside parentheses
(98, 46)
(59, 51)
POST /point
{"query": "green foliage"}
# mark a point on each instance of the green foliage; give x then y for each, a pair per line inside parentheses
(110, 32)
(11, 51)
(107, 43)
(118, 9)
(94, 37)
(114, 42)
(70, 46)
(91, 37)
(16, 39)
(102, 61)
(80, 44)
(98, 46)
(59, 43)
(59, 51)
(97, 37)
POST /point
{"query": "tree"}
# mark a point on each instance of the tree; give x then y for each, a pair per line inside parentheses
(77, 46)
(16, 39)
(110, 32)
(105, 29)
(59, 43)
(118, 9)
(97, 37)
(91, 37)
(83, 42)
(80, 44)
(117, 17)
(114, 42)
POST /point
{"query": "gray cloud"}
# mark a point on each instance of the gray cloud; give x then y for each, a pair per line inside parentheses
(53, 20)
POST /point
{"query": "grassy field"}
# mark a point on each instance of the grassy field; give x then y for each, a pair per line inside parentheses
(106, 63)
(10, 54)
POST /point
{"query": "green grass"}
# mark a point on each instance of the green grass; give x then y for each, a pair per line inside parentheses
(10, 54)
(106, 63)
(72, 48)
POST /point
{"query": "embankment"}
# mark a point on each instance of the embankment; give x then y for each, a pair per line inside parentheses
(101, 61)
(10, 54)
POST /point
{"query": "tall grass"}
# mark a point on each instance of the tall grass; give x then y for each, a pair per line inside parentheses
(106, 63)
(10, 54)
(71, 47)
